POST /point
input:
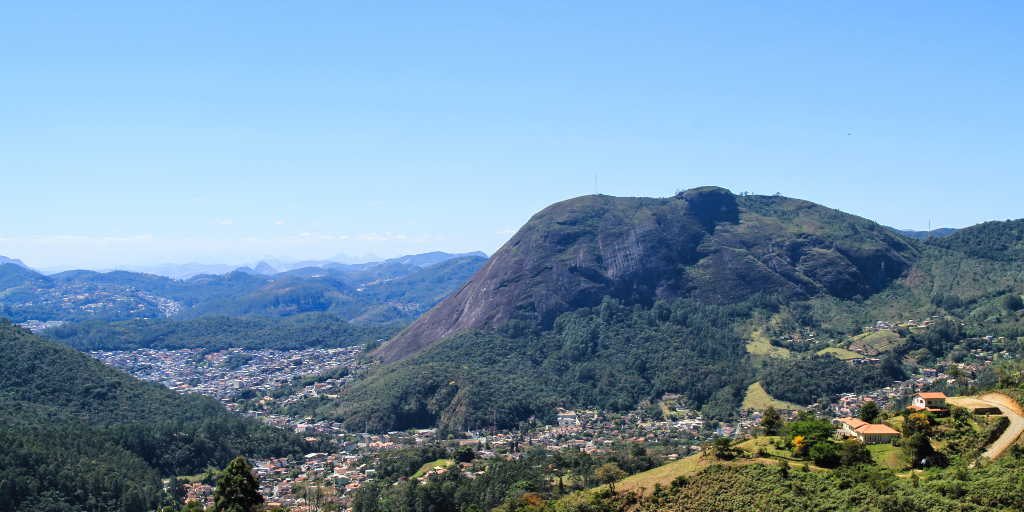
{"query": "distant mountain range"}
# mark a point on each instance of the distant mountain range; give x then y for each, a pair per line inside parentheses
(269, 265)
(923, 235)
(4, 259)
(149, 309)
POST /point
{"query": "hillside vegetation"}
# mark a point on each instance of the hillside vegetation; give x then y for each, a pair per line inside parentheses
(76, 434)
(701, 294)
(297, 332)
(758, 399)
(612, 357)
(721, 487)
(993, 240)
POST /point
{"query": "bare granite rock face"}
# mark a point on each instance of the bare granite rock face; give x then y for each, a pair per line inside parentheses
(706, 244)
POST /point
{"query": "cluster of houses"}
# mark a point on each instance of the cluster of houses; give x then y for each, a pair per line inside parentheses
(891, 326)
(200, 493)
(191, 371)
(849, 404)
(36, 325)
(92, 298)
(874, 433)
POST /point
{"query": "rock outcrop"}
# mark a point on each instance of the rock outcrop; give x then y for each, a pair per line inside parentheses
(706, 243)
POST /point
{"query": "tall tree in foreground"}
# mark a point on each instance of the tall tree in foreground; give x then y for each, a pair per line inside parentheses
(238, 490)
(609, 474)
(869, 412)
(771, 421)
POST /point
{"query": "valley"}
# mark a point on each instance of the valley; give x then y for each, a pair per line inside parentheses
(616, 334)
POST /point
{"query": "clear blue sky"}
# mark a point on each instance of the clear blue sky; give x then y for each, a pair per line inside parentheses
(219, 131)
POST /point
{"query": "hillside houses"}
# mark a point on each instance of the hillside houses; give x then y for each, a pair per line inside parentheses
(932, 402)
(190, 371)
(867, 433)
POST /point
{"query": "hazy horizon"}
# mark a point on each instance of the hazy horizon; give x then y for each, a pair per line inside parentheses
(144, 132)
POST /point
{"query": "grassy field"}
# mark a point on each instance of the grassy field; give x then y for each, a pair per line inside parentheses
(758, 399)
(760, 346)
(841, 353)
(665, 474)
(874, 343)
(691, 465)
(430, 465)
(886, 456)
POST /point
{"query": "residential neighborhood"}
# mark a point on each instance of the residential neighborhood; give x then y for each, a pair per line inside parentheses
(223, 374)
(672, 429)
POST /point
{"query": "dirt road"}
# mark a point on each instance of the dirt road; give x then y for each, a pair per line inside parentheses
(1008, 406)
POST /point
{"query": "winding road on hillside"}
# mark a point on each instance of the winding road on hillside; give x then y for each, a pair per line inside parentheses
(1008, 406)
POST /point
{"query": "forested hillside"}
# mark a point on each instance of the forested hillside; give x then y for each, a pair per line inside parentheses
(76, 434)
(298, 332)
(611, 357)
(994, 240)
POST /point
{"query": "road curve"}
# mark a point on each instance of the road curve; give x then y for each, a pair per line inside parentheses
(1008, 406)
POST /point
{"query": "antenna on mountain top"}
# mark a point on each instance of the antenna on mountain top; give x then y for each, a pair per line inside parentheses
(929, 229)
(595, 183)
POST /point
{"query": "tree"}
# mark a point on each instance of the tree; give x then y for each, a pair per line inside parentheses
(238, 490)
(917, 423)
(960, 375)
(1012, 302)
(609, 474)
(210, 476)
(192, 506)
(825, 453)
(316, 496)
(810, 431)
(916, 449)
(464, 454)
(852, 452)
(771, 421)
(722, 448)
(800, 445)
(870, 412)
(1010, 374)
(176, 490)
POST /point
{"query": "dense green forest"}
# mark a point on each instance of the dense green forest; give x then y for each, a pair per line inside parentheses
(298, 332)
(993, 240)
(806, 380)
(612, 357)
(79, 435)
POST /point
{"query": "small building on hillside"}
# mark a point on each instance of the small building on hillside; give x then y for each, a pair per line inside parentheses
(934, 402)
(868, 433)
(567, 418)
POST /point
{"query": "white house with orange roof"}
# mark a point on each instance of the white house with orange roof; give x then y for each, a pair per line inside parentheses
(934, 402)
(868, 433)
